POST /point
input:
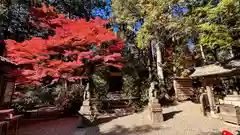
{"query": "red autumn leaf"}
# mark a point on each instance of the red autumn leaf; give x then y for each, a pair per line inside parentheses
(66, 52)
(119, 65)
(55, 80)
(35, 83)
(112, 57)
(55, 63)
(96, 58)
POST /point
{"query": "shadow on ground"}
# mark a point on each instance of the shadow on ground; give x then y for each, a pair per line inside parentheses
(120, 130)
(106, 120)
(166, 116)
(167, 102)
(61, 126)
(170, 115)
(117, 130)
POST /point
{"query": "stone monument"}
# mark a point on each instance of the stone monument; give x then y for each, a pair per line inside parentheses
(204, 103)
(85, 109)
(155, 109)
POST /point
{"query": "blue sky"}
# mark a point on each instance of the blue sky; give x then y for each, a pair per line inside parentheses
(106, 12)
(175, 10)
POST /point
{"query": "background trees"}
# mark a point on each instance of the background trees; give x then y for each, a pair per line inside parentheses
(159, 32)
(188, 32)
(184, 24)
(216, 29)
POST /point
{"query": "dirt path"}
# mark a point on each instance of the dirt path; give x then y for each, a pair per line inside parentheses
(63, 126)
(183, 119)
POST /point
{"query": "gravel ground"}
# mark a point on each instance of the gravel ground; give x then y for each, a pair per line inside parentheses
(183, 119)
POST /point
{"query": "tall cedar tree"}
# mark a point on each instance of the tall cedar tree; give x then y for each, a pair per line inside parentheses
(68, 54)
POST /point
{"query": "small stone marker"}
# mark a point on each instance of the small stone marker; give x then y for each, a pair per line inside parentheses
(85, 110)
(204, 103)
(155, 111)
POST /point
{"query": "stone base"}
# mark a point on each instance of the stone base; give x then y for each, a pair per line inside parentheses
(214, 115)
(85, 110)
(155, 111)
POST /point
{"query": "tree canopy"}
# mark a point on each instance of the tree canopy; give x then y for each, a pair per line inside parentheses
(15, 15)
(68, 54)
(176, 24)
(218, 28)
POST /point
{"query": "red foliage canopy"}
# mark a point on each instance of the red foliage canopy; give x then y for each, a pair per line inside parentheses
(68, 51)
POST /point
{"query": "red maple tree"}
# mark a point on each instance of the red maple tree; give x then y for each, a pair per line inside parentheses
(68, 54)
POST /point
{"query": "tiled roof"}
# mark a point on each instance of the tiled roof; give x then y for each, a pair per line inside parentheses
(209, 70)
(5, 60)
(229, 66)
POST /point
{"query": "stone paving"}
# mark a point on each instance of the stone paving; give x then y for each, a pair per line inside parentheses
(183, 119)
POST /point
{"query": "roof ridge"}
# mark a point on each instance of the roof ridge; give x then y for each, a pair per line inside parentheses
(4, 59)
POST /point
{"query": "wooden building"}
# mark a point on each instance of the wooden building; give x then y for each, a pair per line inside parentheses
(210, 76)
(183, 88)
(6, 82)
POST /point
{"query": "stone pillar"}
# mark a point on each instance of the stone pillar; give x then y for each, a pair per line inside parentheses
(204, 103)
(154, 108)
(207, 82)
(85, 109)
(151, 91)
(211, 99)
(155, 111)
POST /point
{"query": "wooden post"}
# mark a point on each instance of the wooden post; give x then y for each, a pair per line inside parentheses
(14, 88)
